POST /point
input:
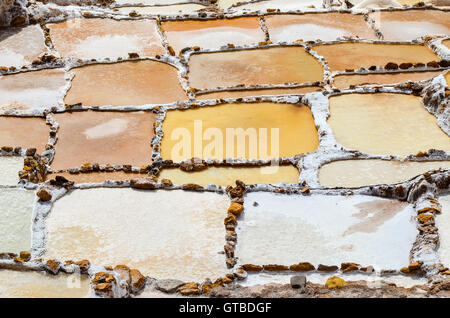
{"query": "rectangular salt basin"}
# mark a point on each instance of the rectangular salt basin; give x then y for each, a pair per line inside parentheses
(443, 224)
(125, 83)
(25, 132)
(115, 138)
(21, 284)
(106, 38)
(343, 56)
(32, 90)
(385, 124)
(344, 81)
(257, 92)
(9, 170)
(277, 65)
(244, 130)
(213, 34)
(19, 46)
(359, 173)
(324, 26)
(224, 176)
(165, 234)
(280, 4)
(411, 24)
(97, 177)
(288, 229)
(15, 220)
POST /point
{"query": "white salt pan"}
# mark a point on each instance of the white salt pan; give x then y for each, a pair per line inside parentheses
(9, 169)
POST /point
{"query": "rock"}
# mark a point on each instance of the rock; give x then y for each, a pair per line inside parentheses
(167, 182)
(168, 285)
(349, 267)
(236, 209)
(426, 218)
(240, 274)
(298, 282)
(26, 256)
(230, 219)
(275, 268)
(44, 195)
(84, 265)
(103, 277)
(326, 268)
(391, 66)
(142, 183)
(252, 268)
(137, 280)
(124, 273)
(206, 288)
(192, 186)
(195, 164)
(302, 267)
(335, 282)
(103, 287)
(53, 266)
(189, 289)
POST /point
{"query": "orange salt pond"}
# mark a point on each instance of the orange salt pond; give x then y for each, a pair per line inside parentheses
(324, 26)
(257, 92)
(342, 56)
(276, 65)
(35, 90)
(24, 284)
(19, 46)
(224, 176)
(385, 124)
(252, 131)
(102, 38)
(358, 173)
(412, 24)
(25, 132)
(212, 34)
(344, 81)
(103, 137)
(125, 83)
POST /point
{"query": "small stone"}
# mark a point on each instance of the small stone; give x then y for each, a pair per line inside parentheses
(26, 256)
(53, 266)
(137, 280)
(349, 267)
(302, 267)
(335, 282)
(168, 285)
(236, 209)
(425, 218)
(142, 183)
(189, 289)
(84, 265)
(124, 273)
(275, 268)
(252, 268)
(44, 195)
(298, 282)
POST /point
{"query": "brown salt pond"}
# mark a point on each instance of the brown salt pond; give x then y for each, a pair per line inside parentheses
(412, 24)
(344, 81)
(156, 232)
(358, 173)
(32, 90)
(274, 130)
(257, 92)
(103, 137)
(97, 177)
(102, 38)
(385, 124)
(19, 46)
(25, 132)
(125, 83)
(224, 176)
(213, 34)
(342, 56)
(15, 220)
(27, 284)
(324, 26)
(276, 65)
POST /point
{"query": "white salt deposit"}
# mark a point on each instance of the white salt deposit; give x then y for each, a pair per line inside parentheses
(443, 224)
(9, 170)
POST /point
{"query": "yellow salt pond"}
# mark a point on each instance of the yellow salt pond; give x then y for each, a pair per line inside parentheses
(252, 131)
(276, 65)
(343, 56)
(344, 81)
(385, 124)
(21, 284)
(358, 173)
(224, 176)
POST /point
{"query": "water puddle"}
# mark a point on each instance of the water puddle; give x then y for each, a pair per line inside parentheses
(443, 224)
(103, 137)
(101, 38)
(125, 83)
(20, 46)
(224, 176)
(24, 132)
(9, 170)
(118, 229)
(411, 24)
(327, 230)
(202, 132)
(358, 173)
(15, 220)
(213, 34)
(343, 56)
(35, 90)
(277, 65)
(324, 26)
(385, 124)
(344, 81)
(18, 284)
(257, 92)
